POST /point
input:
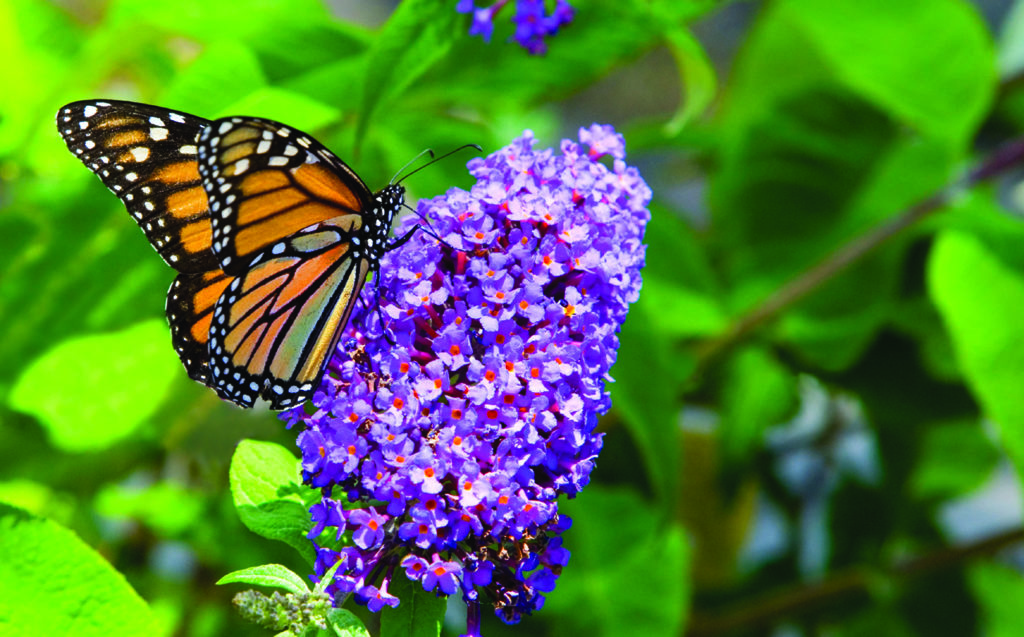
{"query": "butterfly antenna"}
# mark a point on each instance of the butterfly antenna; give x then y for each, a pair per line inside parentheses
(410, 162)
(426, 227)
(434, 160)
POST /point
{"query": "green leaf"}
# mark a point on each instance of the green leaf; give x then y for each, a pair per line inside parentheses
(758, 392)
(36, 38)
(955, 458)
(629, 571)
(272, 575)
(419, 614)
(999, 591)
(981, 300)
(416, 36)
(52, 583)
(214, 80)
(856, 42)
(680, 294)
(646, 393)
(92, 391)
(269, 495)
(165, 507)
(345, 624)
(698, 79)
(785, 192)
(327, 578)
(38, 499)
(283, 105)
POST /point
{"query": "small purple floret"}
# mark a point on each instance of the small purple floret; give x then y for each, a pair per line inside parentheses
(531, 18)
(453, 446)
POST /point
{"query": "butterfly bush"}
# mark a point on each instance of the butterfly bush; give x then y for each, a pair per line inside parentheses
(533, 21)
(442, 444)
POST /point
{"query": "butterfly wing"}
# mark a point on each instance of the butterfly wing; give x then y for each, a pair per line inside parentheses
(190, 304)
(258, 218)
(147, 156)
(276, 325)
(266, 182)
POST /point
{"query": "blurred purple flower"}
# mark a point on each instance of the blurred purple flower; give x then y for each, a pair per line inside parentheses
(452, 446)
(532, 20)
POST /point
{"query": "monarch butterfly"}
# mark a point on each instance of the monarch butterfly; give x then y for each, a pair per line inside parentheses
(273, 237)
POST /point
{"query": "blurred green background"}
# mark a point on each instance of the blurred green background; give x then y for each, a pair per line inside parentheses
(808, 438)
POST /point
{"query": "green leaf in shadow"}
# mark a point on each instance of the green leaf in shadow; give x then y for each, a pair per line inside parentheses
(419, 614)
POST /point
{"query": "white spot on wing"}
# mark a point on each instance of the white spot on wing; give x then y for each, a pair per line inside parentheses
(158, 134)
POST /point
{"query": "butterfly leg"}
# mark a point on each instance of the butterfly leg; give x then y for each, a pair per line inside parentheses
(402, 240)
(380, 313)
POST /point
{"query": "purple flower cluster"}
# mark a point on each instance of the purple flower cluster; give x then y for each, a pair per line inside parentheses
(532, 20)
(451, 443)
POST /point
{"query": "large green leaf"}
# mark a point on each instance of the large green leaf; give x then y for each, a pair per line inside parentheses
(89, 392)
(857, 41)
(981, 300)
(52, 583)
(826, 134)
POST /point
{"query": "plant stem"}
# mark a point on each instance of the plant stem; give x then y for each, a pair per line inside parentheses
(796, 600)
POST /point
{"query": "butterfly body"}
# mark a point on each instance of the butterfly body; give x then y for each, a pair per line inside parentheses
(272, 234)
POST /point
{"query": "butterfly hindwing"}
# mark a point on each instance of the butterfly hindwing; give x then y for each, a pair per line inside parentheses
(147, 156)
(190, 304)
(266, 182)
(276, 325)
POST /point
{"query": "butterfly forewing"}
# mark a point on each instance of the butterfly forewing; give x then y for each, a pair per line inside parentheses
(147, 156)
(276, 325)
(266, 182)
